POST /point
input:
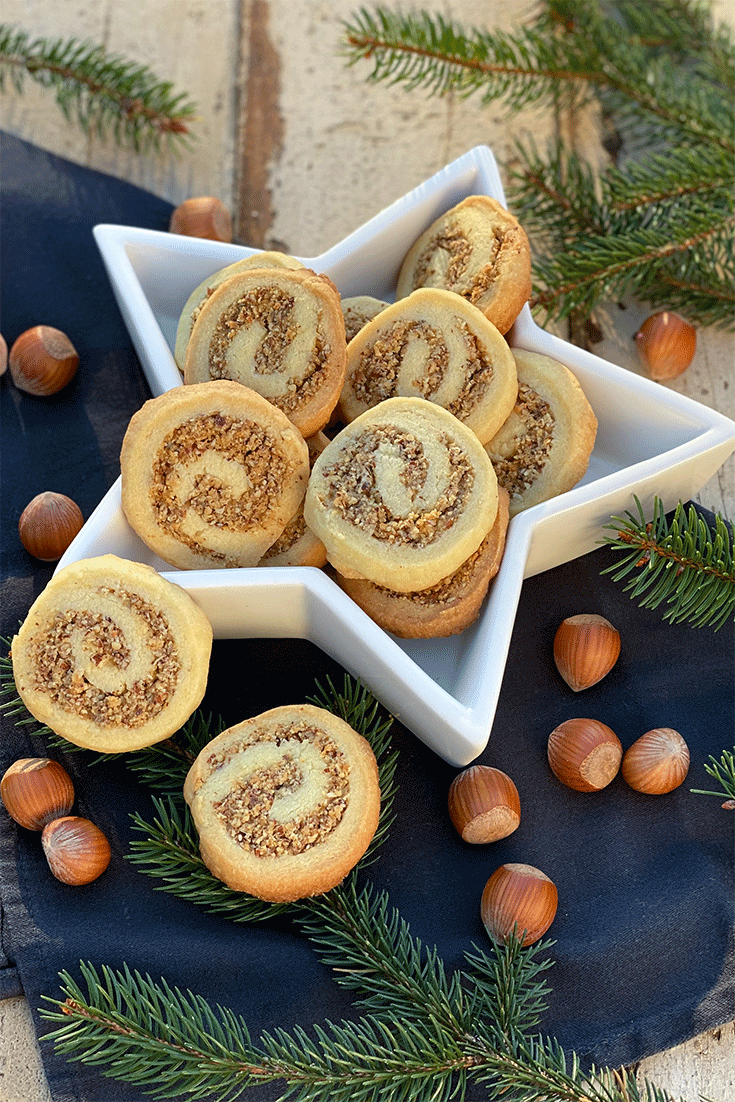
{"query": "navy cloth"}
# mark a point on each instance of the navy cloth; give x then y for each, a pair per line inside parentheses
(644, 953)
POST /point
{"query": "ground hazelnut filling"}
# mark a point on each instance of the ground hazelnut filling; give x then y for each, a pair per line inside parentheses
(244, 442)
(455, 243)
(246, 811)
(518, 471)
(290, 536)
(352, 487)
(102, 644)
(444, 591)
(276, 311)
(376, 376)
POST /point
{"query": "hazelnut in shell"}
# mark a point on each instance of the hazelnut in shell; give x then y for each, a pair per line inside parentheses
(35, 791)
(586, 647)
(483, 804)
(584, 754)
(48, 524)
(657, 762)
(76, 849)
(203, 216)
(518, 897)
(666, 344)
(42, 360)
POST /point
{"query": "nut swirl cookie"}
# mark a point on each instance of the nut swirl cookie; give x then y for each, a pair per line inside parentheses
(211, 475)
(402, 496)
(544, 447)
(479, 250)
(280, 332)
(112, 656)
(358, 311)
(443, 609)
(201, 293)
(434, 345)
(285, 803)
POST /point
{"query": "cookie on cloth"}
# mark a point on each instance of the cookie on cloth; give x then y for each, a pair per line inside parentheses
(402, 496)
(201, 293)
(432, 344)
(285, 803)
(478, 249)
(443, 609)
(280, 332)
(211, 474)
(112, 656)
(544, 447)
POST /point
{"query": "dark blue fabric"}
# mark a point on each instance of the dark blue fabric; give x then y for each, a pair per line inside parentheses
(644, 932)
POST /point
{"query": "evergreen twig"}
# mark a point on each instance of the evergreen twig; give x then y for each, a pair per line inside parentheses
(723, 772)
(658, 227)
(103, 93)
(682, 563)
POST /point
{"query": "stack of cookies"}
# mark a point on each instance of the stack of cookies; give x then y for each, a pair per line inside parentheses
(388, 442)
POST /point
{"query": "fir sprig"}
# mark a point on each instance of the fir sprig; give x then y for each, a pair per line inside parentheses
(681, 563)
(658, 227)
(723, 773)
(102, 92)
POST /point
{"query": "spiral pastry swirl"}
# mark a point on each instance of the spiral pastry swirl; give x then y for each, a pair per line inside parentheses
(432, 345)
(208, 286)
(112, 656)
(285, 803)
(211, 475)
(402, 496)
(480, 251)
(544, 447)
(280, 332)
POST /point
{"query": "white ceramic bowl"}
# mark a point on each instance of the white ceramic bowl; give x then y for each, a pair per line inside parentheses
(650, 442)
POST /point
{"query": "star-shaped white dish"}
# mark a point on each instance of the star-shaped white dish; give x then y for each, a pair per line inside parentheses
(651, 442)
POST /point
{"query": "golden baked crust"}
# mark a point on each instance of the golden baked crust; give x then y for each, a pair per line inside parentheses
(297, 545)
(479, 250)
(112, 656)
(280, 332)
(202, 292)
(544, 447)
(402, 496)
(358, 311)
(285, 803)
(444, 609)
(211, 475)
(432, 344)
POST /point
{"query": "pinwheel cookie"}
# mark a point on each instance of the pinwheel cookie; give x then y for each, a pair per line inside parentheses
(479, 250)
(285, 803)
(358, 311)
(434, 345)
(402, 496)
(201, 293)
(211, 475)
(544, 447)
(443, 609)
(280, 332)
(112, 656)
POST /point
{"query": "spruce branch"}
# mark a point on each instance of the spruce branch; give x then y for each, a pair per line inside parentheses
(658, 227)
(103, 93)
(682, 563)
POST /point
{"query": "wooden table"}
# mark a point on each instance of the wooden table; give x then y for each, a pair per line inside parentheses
(303, 151)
